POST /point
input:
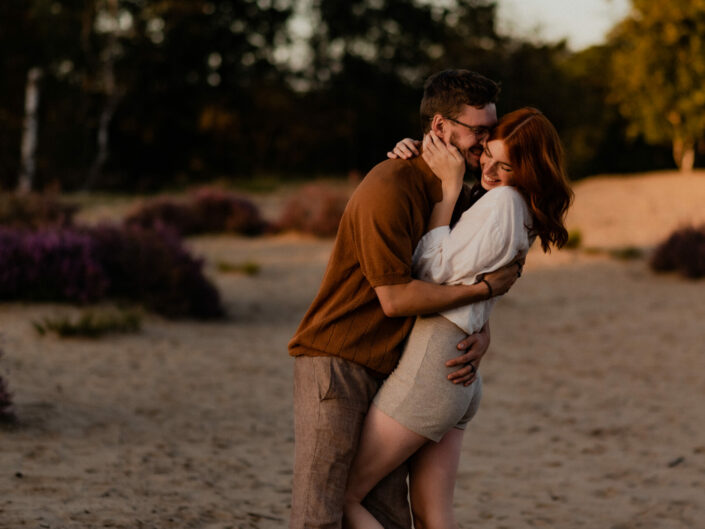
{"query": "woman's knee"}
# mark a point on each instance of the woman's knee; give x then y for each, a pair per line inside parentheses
(352, 497)
(434, 517)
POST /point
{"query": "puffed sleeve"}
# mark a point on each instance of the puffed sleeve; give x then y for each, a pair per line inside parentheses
(488, 235)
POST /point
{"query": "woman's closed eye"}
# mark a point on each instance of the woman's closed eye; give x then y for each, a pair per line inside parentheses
(502, 165)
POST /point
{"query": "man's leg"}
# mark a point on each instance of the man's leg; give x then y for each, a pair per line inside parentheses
(331, 399)
(389, 501)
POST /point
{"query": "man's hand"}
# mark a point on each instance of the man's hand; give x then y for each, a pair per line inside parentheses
(474, 348)
(502, 279)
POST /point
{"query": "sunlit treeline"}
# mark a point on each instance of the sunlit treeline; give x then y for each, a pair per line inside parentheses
(142, 94)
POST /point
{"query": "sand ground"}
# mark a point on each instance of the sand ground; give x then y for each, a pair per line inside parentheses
(592, 416)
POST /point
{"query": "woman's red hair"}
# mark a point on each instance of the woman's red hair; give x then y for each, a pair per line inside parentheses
(535, 152)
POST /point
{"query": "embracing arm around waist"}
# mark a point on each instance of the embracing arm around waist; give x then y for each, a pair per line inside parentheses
(420, 297)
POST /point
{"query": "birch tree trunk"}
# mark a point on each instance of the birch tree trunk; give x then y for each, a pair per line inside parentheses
(112, 97)
(30, 131)
(684, 153)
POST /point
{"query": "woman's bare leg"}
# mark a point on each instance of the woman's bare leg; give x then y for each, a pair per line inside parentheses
(432, 475)
(384, 445)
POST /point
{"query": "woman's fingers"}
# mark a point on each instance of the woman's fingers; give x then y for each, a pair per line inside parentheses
(437, 142)
(405, 149)
(429, 146)
(440, 145)
(441, 151)
(455, 153)
(401, 150)
(411, 145)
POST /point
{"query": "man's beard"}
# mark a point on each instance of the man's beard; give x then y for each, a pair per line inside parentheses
(472, 159)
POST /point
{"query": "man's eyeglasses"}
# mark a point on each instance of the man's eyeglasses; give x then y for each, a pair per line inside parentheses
(479, 132)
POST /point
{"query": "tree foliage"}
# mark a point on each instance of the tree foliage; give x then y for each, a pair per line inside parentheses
(658, 73)
(202, 89)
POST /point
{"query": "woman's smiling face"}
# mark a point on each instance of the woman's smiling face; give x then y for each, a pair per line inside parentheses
(496, 167)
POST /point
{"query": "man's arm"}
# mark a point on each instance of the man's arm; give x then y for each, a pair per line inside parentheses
(420, 297)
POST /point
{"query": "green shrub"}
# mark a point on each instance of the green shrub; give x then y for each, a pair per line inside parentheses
(575, 239)
(627, 253)
(248, 268)
(91, 324)
(593, 250)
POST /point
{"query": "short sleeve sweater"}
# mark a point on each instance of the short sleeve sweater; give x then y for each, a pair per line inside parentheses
(382, 224)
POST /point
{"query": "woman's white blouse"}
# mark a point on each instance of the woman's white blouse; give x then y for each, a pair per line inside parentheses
(488, 236)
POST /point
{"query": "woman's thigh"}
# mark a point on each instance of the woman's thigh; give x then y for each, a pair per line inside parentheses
(384, 445)
(418, 393)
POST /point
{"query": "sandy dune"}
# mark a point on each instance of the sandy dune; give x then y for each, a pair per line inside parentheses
(592, 415)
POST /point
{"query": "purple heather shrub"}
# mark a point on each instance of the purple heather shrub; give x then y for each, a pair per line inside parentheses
(315, 209)
(218, 210)
(88, 264)
(164, 213)
(154, 268)
(6, 413)
(207, 210)
(683, 252)
(50, 264)
(34, 211)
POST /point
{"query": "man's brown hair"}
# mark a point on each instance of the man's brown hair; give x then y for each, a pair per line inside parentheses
(446, 93)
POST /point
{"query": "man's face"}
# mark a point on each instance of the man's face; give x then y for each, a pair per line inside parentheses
(469, 130)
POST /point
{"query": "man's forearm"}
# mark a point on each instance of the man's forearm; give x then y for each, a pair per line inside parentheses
(421, 297)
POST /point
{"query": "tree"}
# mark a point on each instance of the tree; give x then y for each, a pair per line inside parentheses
(369, 59)
(658, 74)
(29, 131)
(136, 92)
(193, 74)
(41, 61)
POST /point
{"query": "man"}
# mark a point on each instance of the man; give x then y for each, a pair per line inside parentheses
(352, 334)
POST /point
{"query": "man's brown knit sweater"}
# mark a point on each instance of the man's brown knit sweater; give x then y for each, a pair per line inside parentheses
(381, 225)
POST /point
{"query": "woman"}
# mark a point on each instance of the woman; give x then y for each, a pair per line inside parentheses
(417, 414)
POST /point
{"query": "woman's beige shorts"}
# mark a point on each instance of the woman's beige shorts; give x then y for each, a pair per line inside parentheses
(418, 393)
